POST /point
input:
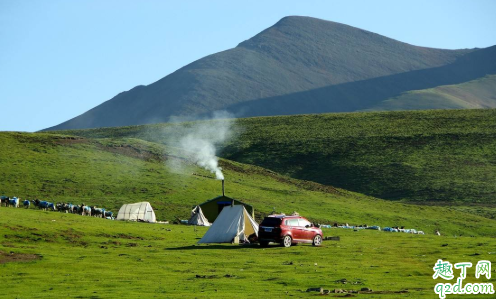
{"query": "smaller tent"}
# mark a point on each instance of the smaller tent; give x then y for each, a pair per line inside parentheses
(197, 217)
(141, 211)
(233, 224)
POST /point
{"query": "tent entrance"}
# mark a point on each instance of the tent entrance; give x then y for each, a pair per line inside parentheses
(249, 229)
(222, 204)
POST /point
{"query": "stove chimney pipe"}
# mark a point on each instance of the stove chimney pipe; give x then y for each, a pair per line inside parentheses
(223, 194)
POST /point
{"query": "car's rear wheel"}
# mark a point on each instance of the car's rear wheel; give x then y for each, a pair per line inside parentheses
(286, 241)
(317, 240)
(264, 243)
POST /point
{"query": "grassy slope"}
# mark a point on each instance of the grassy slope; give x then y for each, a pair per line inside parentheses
(474, 94)
(85, 257)
(421, 156)
(109, 173)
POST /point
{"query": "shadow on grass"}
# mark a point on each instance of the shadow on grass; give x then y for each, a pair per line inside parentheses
(216, 246)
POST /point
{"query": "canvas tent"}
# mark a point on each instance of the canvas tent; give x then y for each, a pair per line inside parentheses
(137, 211)
(197, 217)
(233, 224)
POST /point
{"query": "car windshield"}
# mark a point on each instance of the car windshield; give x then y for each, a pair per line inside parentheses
(271, 221)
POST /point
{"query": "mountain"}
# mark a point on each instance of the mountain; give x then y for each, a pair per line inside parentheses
(279, 68)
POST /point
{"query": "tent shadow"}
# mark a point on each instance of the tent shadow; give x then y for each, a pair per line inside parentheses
(223, 247)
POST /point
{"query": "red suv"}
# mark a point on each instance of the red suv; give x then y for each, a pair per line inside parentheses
(288, 230)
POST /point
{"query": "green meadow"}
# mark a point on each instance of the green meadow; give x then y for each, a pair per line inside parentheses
(56, 255)
(70, 256)
(440, 157)
(110, 172)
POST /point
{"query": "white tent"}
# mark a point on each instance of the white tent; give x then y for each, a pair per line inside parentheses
(197, 217)
(233, 224)
(137, 211)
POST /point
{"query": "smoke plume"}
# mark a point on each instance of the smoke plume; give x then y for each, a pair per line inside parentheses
(200, 140)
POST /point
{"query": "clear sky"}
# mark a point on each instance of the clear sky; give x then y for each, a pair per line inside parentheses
(59, 59)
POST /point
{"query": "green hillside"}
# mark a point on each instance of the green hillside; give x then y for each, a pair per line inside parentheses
(54, 255)
(421, 156)
(110, 172)
(480, 93)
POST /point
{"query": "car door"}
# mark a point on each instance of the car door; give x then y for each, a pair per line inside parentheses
(306, 229)
(294, 226)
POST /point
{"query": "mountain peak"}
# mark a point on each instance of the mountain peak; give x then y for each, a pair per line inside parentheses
(315, 24)
(292, 19)
(313, 33)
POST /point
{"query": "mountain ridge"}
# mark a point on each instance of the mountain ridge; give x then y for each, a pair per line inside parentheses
(366, 94)
(296, 54)
(474, 94)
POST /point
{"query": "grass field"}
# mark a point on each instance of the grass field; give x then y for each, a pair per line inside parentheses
(84, 257)
(56, 255)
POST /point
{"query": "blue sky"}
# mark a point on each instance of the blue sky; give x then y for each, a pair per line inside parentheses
(59, 59)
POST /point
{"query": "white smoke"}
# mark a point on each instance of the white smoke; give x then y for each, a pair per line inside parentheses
(199, 140)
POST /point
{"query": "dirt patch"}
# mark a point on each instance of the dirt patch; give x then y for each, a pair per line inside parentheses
(215, 276)
(63, 140)
(121, 236)
(12, 257)
(20, 228)
(133, 152)
(73, 237)
(31, 237)
(70, 234)
(350, 293)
